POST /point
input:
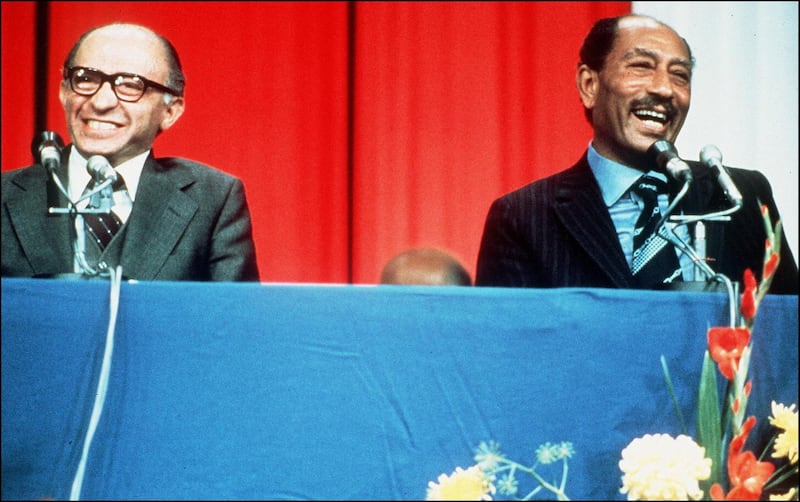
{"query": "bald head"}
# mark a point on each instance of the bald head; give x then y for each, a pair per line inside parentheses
(161, 50)
(426, 267)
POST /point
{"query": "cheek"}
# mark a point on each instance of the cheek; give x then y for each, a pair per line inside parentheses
(685, 99)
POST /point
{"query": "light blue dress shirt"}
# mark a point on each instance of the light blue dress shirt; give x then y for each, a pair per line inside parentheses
(624, 206)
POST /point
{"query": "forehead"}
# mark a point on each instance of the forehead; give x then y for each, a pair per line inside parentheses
(647, 35)
(123, 49)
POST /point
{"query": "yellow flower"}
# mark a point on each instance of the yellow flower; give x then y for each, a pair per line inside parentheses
(660, 467)
(786, 442)
(470, 484)
(790, 495)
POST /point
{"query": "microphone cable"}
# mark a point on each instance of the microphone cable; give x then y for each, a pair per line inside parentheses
(115, 276)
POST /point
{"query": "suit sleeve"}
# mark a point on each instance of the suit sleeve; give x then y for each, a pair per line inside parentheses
(233, 255)
(501, 256)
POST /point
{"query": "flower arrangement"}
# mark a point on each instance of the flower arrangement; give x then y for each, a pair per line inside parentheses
(480, 481)
(659, 467)
(662, 467)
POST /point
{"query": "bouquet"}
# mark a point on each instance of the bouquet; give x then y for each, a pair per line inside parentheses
(716, 465)
(659, 467)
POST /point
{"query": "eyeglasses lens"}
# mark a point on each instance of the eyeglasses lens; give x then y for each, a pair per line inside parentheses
(87, 82)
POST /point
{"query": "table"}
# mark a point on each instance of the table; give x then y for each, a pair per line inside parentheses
(291, 391)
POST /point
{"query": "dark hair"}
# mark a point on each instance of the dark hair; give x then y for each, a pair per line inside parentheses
(599, 41)
(175, 79)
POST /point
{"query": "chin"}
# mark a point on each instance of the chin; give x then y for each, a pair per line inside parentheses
(97, 148)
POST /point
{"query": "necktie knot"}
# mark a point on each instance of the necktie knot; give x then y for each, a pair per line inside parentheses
(119, 184)
(649, 187)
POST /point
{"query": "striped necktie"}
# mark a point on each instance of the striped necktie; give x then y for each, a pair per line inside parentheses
(654, 263)
(102, 227)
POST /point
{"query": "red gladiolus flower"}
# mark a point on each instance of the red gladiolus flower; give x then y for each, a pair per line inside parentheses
(747, 474)
(749, 295)
(725, 345)
(716, 492)
(771, 265)
(737, 443)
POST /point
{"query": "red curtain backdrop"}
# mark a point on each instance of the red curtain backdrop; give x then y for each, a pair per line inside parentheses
(360, 129)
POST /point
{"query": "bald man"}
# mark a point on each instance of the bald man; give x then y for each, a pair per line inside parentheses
(426, 267)
(173, 219)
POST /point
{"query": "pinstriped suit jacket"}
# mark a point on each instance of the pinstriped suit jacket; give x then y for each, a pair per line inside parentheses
(557, 232)
(189, 222)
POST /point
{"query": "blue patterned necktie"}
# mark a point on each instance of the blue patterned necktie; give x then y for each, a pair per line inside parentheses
(654, 263)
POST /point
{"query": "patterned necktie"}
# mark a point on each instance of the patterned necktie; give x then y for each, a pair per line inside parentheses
(102, 227)
(654, 263)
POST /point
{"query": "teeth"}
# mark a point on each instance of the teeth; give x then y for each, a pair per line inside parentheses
(651, 114)
(652, 124)
(103, 126)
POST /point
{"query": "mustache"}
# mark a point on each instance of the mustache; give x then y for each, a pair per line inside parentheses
(652, 102)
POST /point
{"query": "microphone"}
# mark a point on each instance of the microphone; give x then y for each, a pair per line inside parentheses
(667, 159)
(46, 148)
(104, 176)
(712, 157)
(100, 169)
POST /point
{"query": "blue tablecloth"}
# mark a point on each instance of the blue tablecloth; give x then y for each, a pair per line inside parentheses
(271, 391)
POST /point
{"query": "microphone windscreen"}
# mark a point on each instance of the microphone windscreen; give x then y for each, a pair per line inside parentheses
(661, 151)
(100, 169)
(710, 155)
(43, 140)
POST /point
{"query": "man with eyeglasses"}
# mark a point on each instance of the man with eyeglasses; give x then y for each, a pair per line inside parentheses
(173, 219)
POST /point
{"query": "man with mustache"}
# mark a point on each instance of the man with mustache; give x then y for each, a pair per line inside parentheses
(579, 227)
(174, 219)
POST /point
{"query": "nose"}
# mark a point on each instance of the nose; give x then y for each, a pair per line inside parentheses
(661, 84)
(104, 97)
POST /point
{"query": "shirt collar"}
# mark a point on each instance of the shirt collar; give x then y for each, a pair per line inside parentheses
(614, 178)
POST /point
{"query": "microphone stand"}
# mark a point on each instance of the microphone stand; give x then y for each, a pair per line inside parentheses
(697, 254)
(101, 200)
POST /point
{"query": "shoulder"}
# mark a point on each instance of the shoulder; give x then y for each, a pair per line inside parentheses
(181, 165)
(24, 176)
(576, 177)
(750, 180)
(185, 172)
(747, 174)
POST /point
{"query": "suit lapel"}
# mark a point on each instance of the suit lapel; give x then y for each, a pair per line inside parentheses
(160, 215)
(45, 238)
(580, 207)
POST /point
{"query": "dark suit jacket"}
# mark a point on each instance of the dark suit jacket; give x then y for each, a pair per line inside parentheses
(189, 222)
(557, 232)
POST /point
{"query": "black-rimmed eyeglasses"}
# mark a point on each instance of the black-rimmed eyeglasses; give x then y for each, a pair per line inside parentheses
(127, 86)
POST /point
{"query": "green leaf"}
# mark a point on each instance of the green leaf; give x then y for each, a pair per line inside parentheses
(672, 395)
(709, 429)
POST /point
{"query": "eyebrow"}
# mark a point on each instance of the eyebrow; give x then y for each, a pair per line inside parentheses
(640, 51)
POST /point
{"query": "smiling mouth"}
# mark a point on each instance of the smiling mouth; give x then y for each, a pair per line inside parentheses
(652, 119)
(652, 116)
(100, 126)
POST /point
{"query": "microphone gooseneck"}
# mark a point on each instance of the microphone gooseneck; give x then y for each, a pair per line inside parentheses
(712, 157)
